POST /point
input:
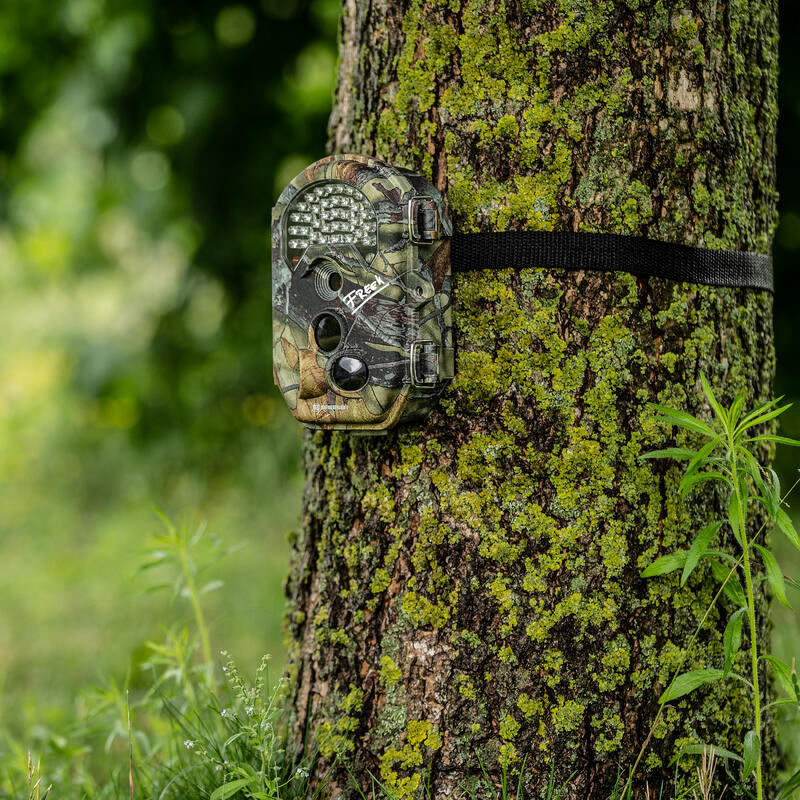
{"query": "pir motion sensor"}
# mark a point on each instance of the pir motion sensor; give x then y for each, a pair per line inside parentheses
(362, 261)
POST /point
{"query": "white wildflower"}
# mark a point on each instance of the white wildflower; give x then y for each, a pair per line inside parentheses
(188, 744)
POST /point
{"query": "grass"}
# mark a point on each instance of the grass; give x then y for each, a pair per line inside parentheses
(184, 726)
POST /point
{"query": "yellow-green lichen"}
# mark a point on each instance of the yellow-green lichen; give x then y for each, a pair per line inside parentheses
(419, 733)
(567, 715)
(390, 673)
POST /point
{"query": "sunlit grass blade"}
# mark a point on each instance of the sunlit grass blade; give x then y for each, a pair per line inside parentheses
(753, 469)
(700, 458)
(735, 411)
(699, 749)
(228, 789)
(758, 411)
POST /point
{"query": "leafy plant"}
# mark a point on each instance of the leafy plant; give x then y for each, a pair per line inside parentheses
(235, 745)
(723, 455)
(224, 738)
(179, 726)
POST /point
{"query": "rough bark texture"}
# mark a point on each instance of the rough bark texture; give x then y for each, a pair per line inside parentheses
(468, 590)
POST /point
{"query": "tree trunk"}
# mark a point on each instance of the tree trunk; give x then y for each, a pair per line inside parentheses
(465, 594)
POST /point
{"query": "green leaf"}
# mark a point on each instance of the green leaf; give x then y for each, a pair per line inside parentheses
(698, 548)
(746, 423)
(777, 439)
(719, 554)
(718, 409)
(732, 638)
(678, 453)
(733, 588)
(699, 749)
(753, 469)
(784, 523)
(752, 753)
(227, 789)
(231, 739)
(736, 410)
(665, 564)
(770, 489)
(784, 674)
(775, 490)
(701, 456)
(758, 411)
(774, 574)
(788, 788)
(688, 682)
(683, 420)
(693, 478)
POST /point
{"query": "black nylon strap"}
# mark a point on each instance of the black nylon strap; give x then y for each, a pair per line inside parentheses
(610, 252)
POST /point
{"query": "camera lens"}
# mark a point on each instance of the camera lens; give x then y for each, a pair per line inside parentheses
(327, 332)
(349, 373)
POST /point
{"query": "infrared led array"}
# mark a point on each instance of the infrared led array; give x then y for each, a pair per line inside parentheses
(331, 213)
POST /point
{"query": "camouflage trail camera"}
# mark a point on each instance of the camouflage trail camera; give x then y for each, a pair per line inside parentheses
(361, 295)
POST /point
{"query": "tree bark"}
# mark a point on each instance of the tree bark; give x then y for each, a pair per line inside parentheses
(465, 594)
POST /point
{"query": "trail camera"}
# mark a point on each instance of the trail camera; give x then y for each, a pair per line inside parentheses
(361, 295)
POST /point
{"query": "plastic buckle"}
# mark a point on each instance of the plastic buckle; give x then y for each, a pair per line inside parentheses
(424, 364)
(427, 229)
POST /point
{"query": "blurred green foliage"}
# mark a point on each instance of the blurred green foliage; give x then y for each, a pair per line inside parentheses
(786, 248)
(142, 144)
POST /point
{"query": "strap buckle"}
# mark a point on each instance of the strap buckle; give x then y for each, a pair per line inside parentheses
(424, 225)
(424, 364)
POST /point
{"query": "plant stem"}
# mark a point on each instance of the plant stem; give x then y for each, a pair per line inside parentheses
(195, 600)
(662, 706)
(751, 611)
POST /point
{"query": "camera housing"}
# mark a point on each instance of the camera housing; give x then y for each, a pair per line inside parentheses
(361, 295)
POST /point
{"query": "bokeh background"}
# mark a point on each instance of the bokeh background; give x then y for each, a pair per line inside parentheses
(142, 145)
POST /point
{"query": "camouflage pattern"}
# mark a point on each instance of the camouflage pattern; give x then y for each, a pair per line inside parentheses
(369, 244)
